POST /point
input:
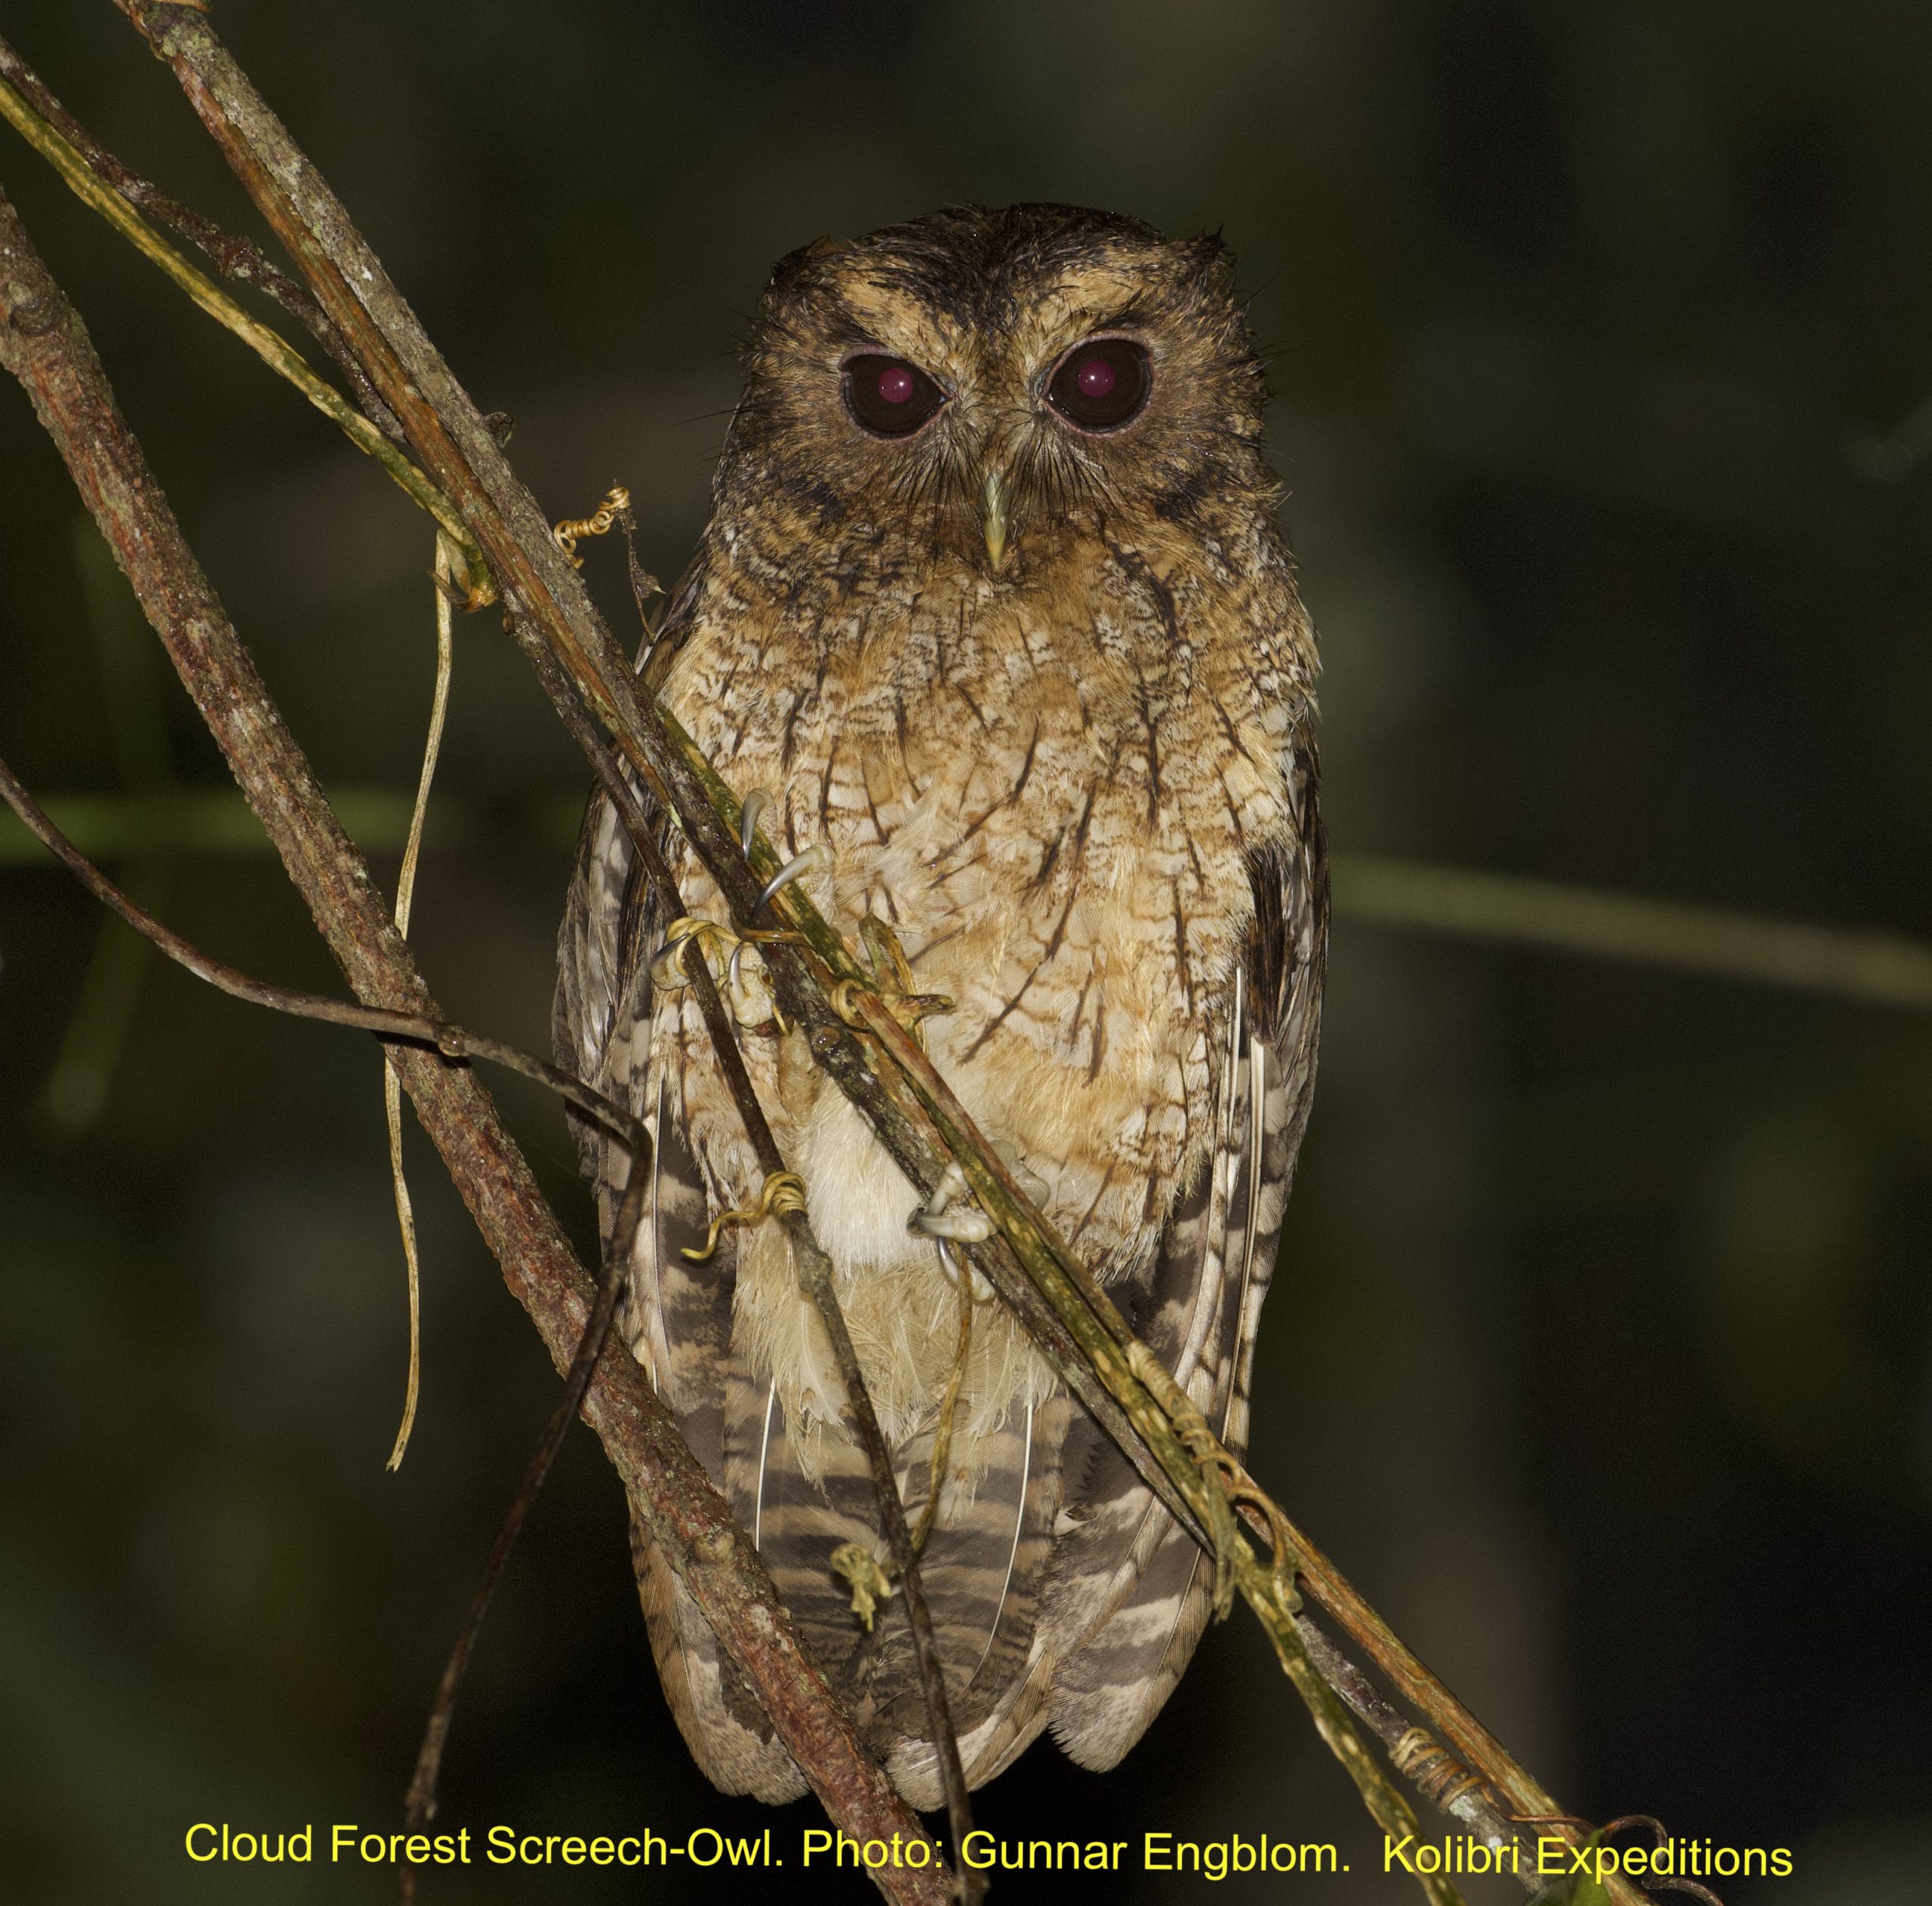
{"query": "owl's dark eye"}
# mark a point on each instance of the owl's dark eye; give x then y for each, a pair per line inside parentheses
(888, 396)
(1102, 384)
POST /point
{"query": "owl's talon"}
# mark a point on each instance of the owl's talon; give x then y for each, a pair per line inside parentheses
(755, 803)
(952, 1185)
(797, 868)
(970, 1226)
(949, 1214)
(667, 962)
(956, 1274)
(667, 972)
(744, 1006)
(865, 1576)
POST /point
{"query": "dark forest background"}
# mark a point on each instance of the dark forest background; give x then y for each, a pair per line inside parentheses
(1601, 1355)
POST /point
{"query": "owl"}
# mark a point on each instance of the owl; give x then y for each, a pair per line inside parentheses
(994, 610)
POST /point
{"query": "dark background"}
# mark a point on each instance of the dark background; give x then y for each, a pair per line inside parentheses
(1601, 1355)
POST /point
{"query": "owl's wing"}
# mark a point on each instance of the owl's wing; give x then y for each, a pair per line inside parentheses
(676, 1315)
(1127, 1590)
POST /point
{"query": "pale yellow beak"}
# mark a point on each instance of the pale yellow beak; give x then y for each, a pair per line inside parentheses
(992, 515)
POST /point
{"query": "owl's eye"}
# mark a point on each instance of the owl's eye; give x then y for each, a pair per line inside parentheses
(888, 396)
(1102, 384)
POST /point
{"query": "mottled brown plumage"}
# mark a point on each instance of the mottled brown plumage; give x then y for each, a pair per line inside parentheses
(1035, 671)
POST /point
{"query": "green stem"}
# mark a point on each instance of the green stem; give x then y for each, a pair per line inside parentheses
(269, 345)
(1870, 968)
(1879, 969)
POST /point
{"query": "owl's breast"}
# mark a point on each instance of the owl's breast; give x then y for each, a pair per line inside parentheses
(1057, 828)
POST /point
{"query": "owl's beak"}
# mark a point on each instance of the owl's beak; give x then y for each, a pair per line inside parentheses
(993, 497)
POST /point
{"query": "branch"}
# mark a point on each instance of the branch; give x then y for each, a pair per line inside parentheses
(269, 345)
(1875, 969)
(43, 344)
(236, 258)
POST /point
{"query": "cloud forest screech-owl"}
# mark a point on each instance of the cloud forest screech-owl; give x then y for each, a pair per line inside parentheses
(994, 605)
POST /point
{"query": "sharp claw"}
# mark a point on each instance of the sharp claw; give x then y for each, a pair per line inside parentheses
(795, 868)
(756, 802)
(970, 1226)
(667, 963)
(952, 1185)
(741, 1003)
(751, 1003)
(937, 1218)
(952, 1271)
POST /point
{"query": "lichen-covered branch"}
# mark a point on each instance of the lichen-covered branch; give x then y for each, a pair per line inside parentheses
(274, 350)
(43, 344)
(237, 259)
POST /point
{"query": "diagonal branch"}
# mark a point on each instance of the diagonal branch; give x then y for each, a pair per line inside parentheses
(43, 343)
(237, 259)
(267, 343)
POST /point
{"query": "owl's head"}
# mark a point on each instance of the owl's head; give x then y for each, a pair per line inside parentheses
(963, 382)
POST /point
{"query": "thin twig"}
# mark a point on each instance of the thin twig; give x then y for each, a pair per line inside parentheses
(405, 902)
(268, 344)
(421, 1806)
(43, 343)
(236, 258)
(454, 1043)
(815, 1275)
